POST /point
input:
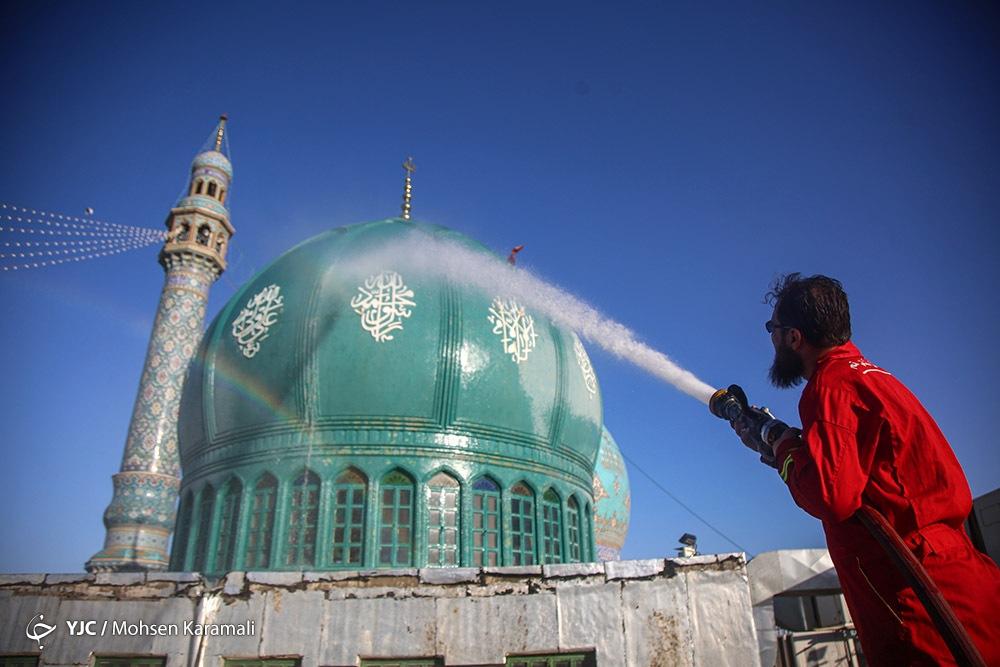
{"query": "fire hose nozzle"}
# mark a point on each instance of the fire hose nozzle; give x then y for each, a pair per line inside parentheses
(729, 404)
(732, 405)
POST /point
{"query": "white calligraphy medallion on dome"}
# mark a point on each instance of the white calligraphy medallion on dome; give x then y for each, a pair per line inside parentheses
(254, 322)
(589, 377)
(515, 327)
(383, 302)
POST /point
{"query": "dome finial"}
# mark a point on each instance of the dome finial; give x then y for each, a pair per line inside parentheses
(219, 131)
(408, 186)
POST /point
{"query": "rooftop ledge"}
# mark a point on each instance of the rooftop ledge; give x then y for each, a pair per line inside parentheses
(406, 582)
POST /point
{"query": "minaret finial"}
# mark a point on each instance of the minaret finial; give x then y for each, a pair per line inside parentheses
(408, 186)
(219, 132)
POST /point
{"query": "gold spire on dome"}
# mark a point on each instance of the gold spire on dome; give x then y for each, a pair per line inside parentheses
(219, 132)
(408, 186)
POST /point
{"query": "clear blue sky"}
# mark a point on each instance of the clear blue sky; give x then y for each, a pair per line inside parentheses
(663, 162)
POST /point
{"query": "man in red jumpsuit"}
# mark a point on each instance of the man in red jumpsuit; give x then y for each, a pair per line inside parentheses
(866, 438)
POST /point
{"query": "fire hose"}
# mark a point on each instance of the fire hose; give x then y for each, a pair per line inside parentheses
(951, 629)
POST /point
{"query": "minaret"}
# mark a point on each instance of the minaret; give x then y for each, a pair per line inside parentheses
(141, 514)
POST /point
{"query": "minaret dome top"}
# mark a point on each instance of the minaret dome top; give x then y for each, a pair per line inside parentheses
(211, 175)
(213, 160)
(214, 154)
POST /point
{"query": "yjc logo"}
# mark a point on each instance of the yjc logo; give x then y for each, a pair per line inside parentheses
(39, 630)
(79, 628)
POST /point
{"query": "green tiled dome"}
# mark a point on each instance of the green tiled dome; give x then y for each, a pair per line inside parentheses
(319, 365)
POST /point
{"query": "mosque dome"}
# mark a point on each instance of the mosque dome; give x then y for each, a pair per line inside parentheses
(612, 499)
(396, 417)
(213, 160)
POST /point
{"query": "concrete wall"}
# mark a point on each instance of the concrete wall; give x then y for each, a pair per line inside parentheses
(688, 611)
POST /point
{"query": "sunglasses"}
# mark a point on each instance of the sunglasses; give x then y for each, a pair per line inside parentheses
(771, 326)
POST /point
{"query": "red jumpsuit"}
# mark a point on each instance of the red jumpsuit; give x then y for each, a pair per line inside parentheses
(865, 437)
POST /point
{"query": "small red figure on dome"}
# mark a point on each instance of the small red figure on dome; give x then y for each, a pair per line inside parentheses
(512, 257)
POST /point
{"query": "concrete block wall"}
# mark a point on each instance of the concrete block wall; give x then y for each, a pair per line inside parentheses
(678, 611)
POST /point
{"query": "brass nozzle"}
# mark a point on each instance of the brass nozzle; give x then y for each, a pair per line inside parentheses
(728, 403)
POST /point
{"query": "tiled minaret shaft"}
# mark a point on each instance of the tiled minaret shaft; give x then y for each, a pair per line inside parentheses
(142, 510)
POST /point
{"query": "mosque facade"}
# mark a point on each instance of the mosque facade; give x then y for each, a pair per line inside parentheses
(339, 415)
(365, 465)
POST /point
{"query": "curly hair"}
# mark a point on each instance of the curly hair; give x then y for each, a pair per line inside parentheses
(817, 306)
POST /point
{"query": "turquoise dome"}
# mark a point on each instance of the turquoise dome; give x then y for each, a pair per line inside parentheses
(440, 380)
(213, 160)
(612, 499)
(320, 366)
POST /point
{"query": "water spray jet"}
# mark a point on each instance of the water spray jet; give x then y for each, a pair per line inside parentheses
(425, 252)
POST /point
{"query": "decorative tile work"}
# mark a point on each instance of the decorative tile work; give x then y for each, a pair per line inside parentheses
(149, 539)
(213, 159)
(254, 322)
(383, 302)
(198, 280)
(204, 202)
(152, 439)
(612, 499)
(143, 498)
(209, 171)
(141, 513)
(514, 326)
(129, 548)
(599, 492)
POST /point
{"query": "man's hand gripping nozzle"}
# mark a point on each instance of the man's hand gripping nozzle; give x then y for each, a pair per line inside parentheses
(756, 427)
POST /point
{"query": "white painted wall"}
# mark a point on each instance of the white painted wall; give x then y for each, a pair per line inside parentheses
(683, 611)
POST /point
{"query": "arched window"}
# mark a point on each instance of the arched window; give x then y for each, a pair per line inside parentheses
(258, 553)
(220, 242)
(442, 520)
(222, 195)
(552, 527)
(204, 528)
(349, 493)
(522, 525)
(200, 187)
(185, 232)
(485, 522)
(211, 188)
(178, 553)
(588, 534)
(302, 520)
(204, 234)
(573, 530)
(232, 496)
(395, 535)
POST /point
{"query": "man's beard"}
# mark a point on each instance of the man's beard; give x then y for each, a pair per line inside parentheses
(788, 368)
